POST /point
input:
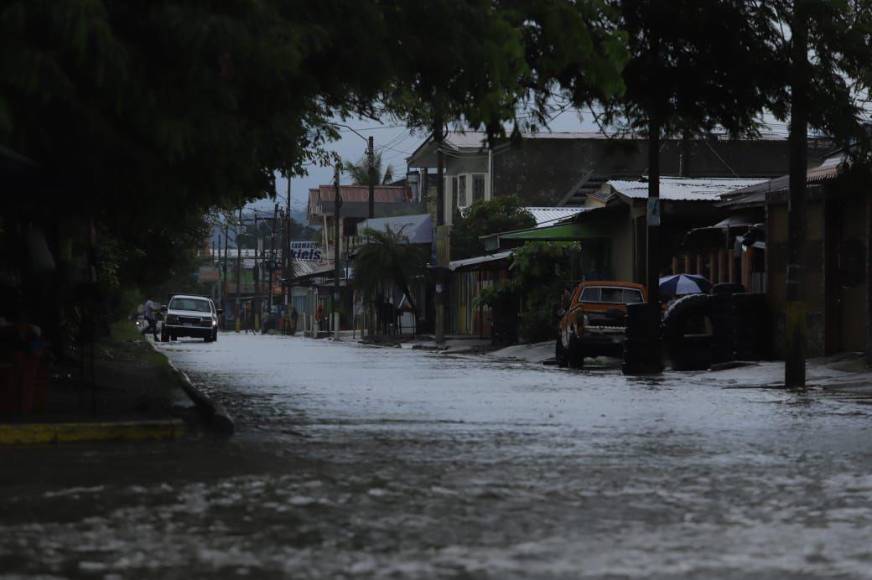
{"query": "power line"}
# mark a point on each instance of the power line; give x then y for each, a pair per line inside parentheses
(374, 128)
(394, 143)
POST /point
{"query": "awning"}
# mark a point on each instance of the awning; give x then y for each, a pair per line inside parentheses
(417, 229)
(555, 233)
(720, 235)
(563, 232)
(478, 260)
(304, 269)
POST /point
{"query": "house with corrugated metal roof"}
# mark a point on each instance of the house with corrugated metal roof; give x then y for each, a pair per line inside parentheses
(835, 268)
(612, 225)
(390, 200)
(469, 277)
(559, 169)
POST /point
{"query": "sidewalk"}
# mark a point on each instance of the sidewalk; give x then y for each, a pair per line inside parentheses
(137, 396)
(845, 372)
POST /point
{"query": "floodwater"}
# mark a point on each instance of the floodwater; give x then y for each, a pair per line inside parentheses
(363, 462)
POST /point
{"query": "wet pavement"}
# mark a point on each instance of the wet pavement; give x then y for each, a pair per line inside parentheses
(363, 462)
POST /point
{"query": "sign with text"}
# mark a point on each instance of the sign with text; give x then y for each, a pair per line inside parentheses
(305, 251)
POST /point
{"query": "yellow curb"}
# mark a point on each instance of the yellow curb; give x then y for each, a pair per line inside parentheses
(30, 433)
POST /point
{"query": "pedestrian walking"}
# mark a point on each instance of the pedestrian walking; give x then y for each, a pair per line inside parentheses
(151, 310)
(319, 316)
(294, 317)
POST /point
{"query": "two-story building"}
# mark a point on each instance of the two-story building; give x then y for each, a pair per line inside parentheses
(390, 200)
(562, 169)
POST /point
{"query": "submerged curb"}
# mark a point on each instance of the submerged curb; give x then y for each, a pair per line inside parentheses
(34, 433)
(215, 416)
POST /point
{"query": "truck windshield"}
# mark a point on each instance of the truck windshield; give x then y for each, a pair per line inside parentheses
(190, 304)
(605, 295)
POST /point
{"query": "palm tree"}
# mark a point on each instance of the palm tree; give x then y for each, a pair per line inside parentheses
(388, 255)
(359, 171)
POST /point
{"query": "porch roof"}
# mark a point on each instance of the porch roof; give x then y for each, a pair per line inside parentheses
(478, 260)
(757, 195)
(418, 228)
(559, 232)
(568, 229)
(683, 188)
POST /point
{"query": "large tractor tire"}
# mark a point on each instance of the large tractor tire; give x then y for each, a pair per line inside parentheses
(560, 353)
(688, 332)
(575, 353)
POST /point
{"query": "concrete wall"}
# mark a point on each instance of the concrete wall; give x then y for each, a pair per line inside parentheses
(813, 280)
(618, 230)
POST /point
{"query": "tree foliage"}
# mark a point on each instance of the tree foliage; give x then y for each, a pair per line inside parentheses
(359, 171)
(840, 66)
(540, 273)
(500, 214)
(721, 64)
(498, 54)
(695, 66)
(198, 103)
(388, 257)
(147, 113)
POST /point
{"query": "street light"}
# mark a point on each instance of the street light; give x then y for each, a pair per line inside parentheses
(370, 155)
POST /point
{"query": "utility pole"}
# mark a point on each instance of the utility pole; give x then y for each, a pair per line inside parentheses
(337, 206)
(256, 301)
(441, 251)
(272, 256)
(287, 264)
(213, 257)
(370, 154)
(652, 273)
(238, 270)
(224, 273)
(795, 313)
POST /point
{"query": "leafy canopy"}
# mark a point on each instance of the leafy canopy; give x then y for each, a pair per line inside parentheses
(359, 171)
(197, 104)
(698, 66)
(500, 214)
(388, 257)
(150, 112)
(495, 55)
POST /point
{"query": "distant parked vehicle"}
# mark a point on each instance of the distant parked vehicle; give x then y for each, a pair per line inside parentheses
(595, 320)
(194, 316)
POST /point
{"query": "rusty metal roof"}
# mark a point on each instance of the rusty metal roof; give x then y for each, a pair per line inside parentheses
(360, 193)
(757, 194)
(355, 198)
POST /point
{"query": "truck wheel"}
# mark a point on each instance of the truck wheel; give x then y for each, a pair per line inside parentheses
(560, 353)
(164, 336)
(575, 353)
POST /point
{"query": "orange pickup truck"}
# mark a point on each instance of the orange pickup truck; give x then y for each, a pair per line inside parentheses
(595, 320)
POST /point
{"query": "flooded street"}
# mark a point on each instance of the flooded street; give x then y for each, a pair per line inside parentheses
(354, 461)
